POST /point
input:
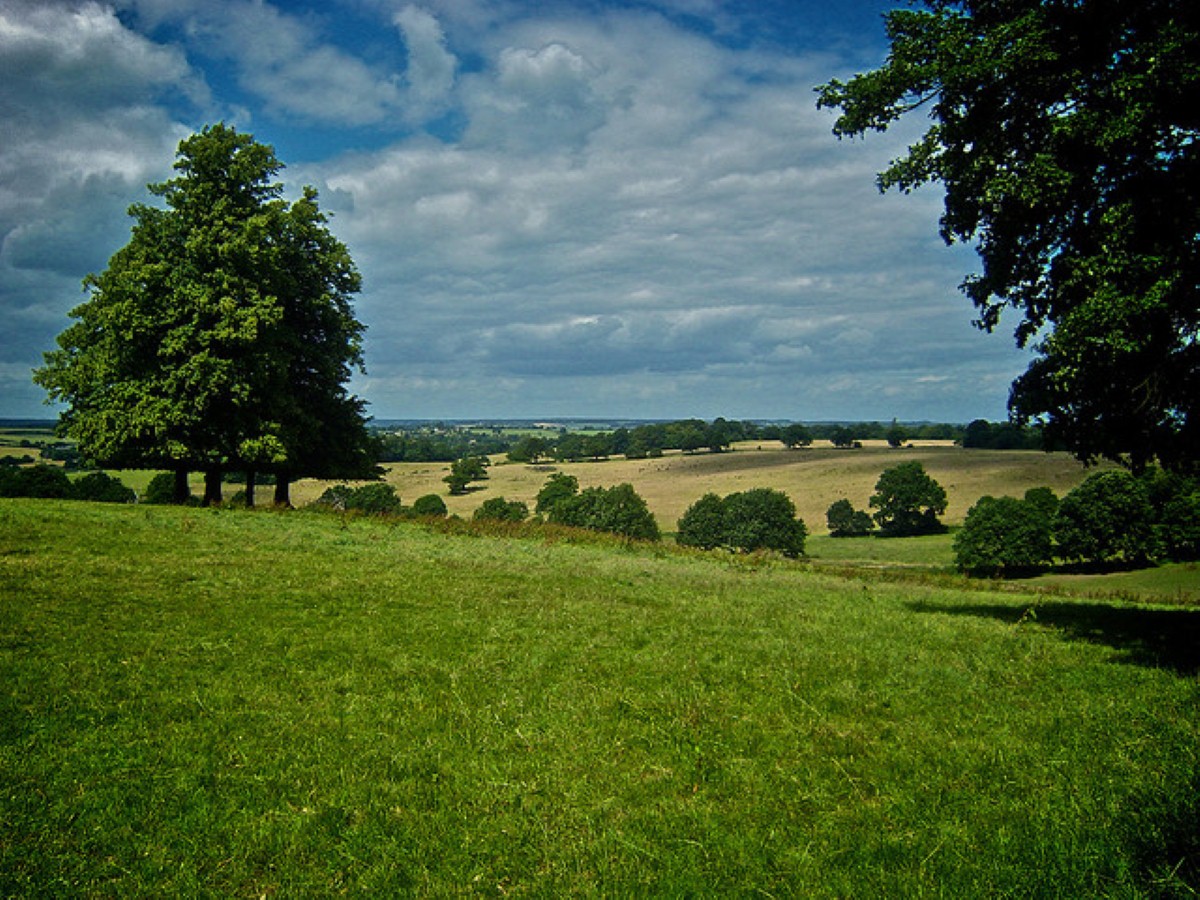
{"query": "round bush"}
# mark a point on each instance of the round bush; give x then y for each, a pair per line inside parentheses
(703, 524)
(844, 520)
(497, 509)
(1003, 535)
(99, 487)
(430, 505)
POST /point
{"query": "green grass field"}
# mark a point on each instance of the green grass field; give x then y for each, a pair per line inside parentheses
(203, 703)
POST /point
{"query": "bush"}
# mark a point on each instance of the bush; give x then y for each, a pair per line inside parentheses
(757, 519)
(846, 521)
(703, 524)
(41, 481)
(431, 505)
(558, 486)
(374, 499)
(618, 509)
(161, 489)
(1004, 535)
(1106, 518)
(909, 501)
(497, 509)
(101, 488)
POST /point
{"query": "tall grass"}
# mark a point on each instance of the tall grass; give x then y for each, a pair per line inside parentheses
(212, 703)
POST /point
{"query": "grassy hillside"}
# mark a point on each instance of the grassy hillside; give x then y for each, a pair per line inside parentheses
(212, 703)
(814, 478)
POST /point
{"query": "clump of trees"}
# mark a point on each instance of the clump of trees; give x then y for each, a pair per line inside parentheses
(619, 510)
(908, 501)
(376, 499)
(1113, 517)
(221, 337)
(757, 519)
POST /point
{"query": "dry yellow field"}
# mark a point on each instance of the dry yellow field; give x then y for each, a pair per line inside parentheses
(814, 478)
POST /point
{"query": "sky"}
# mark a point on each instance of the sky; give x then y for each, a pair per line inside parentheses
(562, 208)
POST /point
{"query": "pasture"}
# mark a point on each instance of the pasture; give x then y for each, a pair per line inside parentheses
(200, 702)
(813, 478)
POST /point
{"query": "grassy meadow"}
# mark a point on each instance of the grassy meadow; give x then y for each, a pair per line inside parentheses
(224, 703)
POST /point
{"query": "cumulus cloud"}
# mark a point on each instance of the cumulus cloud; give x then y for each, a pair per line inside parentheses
(630, 218)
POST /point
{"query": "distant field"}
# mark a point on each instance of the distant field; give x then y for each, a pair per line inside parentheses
(814, 478)
(210, 703)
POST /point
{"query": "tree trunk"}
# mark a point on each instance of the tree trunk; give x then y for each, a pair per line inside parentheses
(250, 477)
(180, 493)
(282, 491)
(212, 487)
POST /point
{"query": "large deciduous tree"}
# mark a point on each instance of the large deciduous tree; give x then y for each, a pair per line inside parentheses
(1065, 135)
(221, 336)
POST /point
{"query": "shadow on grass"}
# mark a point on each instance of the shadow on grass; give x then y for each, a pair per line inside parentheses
(1159, 638)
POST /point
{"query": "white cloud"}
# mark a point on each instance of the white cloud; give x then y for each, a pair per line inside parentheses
(431, 67)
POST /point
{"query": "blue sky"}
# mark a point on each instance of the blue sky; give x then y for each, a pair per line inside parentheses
(561, 208)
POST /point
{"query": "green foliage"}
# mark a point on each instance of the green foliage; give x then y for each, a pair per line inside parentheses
(529, 449)
(703, 524)
(429, 505)
(39, 481)
(757, 519)
(161, 489)
(1004, 535)
(1065, 138)
(375, 499)
(497, 509)
(221, 336)
(795, 435)
(559, 486)
(843, 520)
(99, 487)
(908, 501)
(465, 471)
(1106, 518)
(619, 510)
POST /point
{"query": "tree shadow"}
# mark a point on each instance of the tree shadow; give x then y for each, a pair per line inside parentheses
(1157, 638)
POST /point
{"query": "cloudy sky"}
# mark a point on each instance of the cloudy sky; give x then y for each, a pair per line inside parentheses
(569, 207)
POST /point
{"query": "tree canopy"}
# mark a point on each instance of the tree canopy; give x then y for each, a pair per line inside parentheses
(1065, 135)
(221, 336)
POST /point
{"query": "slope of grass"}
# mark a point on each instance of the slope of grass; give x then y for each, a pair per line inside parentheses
(211, 703)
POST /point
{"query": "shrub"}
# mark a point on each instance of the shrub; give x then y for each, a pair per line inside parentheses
(336, 497)
(758, 519)
(618, 509)
(161, 489)
(497, 509)
(374, 499)
(908, 501)
(430, 505)
(558, 486)
(1003, 535)
(42, 481)
(99, 487)
(1106, 518)
(846, 521)
(703, 524)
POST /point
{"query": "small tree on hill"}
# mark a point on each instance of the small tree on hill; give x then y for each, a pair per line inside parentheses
(844, 520)
(908, 501)
(559, 486)
(430, 505)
